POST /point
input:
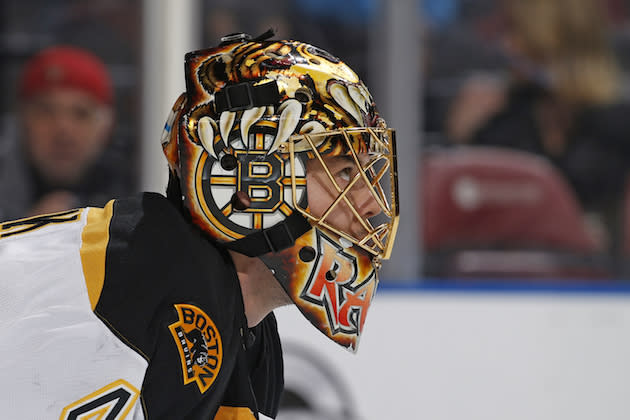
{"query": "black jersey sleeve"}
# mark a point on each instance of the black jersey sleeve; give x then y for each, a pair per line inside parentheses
(266, 365)
(257, 379)
(169, 293)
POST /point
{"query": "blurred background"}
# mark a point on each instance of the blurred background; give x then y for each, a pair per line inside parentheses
(508, 289)
(511, 115)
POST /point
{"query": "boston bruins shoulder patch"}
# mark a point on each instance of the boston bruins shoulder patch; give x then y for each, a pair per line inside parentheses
(199, 345)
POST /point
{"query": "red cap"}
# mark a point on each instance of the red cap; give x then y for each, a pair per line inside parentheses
(66, 67)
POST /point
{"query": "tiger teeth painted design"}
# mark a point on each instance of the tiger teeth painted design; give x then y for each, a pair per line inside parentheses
(311, 127)
(206, 130)
(226, 122)
(290, 112)
(365, 93)
(249, 118)
(341, 96)
(357, 97)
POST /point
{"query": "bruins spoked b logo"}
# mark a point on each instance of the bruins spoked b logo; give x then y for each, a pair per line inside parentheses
(199, 345)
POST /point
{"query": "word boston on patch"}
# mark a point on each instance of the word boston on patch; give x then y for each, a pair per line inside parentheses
(199, 345)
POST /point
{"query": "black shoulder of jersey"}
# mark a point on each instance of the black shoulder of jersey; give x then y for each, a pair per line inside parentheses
(155, 260)
(155, 257)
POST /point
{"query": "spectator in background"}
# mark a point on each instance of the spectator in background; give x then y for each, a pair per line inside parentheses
(65, 116)
(561, 100)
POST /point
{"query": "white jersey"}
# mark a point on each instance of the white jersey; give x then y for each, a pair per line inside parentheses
(127, 312)
(44, 305)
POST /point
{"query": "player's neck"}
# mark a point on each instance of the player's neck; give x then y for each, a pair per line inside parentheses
(261, 291)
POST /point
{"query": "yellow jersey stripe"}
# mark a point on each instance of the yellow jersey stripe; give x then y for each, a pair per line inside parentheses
(234, 413)
(95, 237)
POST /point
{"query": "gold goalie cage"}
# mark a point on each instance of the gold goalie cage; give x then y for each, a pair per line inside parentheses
(378, 173)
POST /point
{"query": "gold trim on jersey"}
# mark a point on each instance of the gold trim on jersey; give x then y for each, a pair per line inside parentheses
(94, 240)
(234, 413)
(113, 401)
(30, 224)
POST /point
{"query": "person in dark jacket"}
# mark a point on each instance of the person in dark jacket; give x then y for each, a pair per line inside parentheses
(65, 114)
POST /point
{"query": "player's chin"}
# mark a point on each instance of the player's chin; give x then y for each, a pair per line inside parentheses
(358, 231)
(361, 237)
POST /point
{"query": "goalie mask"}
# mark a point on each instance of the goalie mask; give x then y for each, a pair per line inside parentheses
(281, 154)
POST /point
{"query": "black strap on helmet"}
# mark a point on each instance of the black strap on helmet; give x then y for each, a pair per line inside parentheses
(246, 95)
(273, 239)
(243, 37)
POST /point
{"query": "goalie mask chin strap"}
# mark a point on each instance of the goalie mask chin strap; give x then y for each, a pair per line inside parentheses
(273, 239)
